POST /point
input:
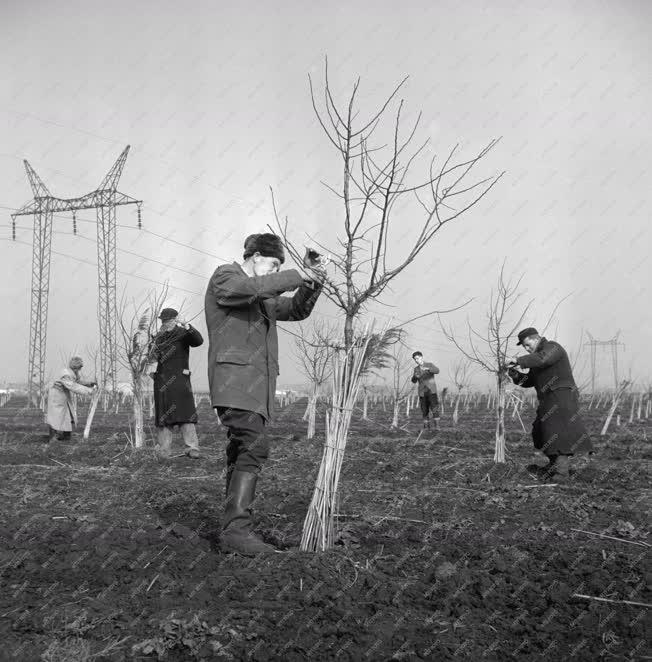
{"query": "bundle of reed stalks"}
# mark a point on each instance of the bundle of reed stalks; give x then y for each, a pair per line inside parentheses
(319, 525)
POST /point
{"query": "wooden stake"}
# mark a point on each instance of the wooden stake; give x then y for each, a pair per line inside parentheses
(602, 535)
(95, 398)
(617, 602)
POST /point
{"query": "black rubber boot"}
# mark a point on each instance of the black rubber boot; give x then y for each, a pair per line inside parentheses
(545, 471)
(560, 469)
(237, 534)
(229, 472)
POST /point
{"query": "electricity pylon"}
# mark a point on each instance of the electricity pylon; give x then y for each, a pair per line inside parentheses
(104, 200)
(613, 344)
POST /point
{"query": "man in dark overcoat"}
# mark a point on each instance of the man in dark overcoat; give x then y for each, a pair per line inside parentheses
(558, 430)
(424, 374)
(242, 306)
(174, 403)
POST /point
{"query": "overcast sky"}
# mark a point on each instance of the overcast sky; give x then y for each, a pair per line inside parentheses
(214, 100)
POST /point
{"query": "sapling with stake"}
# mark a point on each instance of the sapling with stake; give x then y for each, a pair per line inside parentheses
(375, 190)
(138, 328)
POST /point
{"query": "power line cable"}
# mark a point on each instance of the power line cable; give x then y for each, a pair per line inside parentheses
(94, 264)
(129, 227)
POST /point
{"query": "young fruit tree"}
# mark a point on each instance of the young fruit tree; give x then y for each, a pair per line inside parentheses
(314, 351)
(401, 381)
(138, 328)
(92, 355)
(461, 378)
(378, 201)
(490, 348)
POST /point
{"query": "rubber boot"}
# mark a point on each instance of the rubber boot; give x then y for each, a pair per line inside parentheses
(229, 472)
(545, 471)
(164, 437)
(237, 534)
(561, 467)
(190, 439)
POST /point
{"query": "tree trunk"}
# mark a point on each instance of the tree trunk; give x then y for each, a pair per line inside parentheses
(499, 454)
(91, 413)
(395, 416)
(348, 333)
(365, 401)
(456, 410)
(312, 412)
(139, 423)
(631, 410)
(612, 410)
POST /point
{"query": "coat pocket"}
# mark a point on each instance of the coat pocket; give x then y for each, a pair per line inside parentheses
(237, 356)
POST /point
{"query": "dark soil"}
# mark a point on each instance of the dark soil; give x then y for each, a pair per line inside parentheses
(112, 554)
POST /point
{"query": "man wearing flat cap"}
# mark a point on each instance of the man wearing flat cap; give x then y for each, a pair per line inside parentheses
(62, 411)
(243, 303)
(174, 403)
(424, 375)
(558, 430)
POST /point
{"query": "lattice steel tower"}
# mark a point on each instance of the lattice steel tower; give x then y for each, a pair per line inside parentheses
(613, 345)
(104, 199)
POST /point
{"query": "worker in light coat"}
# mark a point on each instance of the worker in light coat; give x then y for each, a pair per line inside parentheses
(62, 411)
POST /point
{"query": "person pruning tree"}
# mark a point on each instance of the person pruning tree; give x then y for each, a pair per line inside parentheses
(174, 403)
(424, 375)
(243, 304)
(62, 413)
(558, 430)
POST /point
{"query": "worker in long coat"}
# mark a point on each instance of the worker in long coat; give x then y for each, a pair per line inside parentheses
(62, 412)
(558, 430)
(242, 306)
(174, 402)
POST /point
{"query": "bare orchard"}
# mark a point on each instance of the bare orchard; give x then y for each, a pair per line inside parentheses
(110, 553)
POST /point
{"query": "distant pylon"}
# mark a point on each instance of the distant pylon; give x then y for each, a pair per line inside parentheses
(104, 200)
(613, 344)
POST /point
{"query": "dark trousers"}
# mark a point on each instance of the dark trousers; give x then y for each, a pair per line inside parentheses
(429, 402)
(248, 446)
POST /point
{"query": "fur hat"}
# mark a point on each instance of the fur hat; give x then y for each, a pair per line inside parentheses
(268, 245)
(75, 363)
(167, 314)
